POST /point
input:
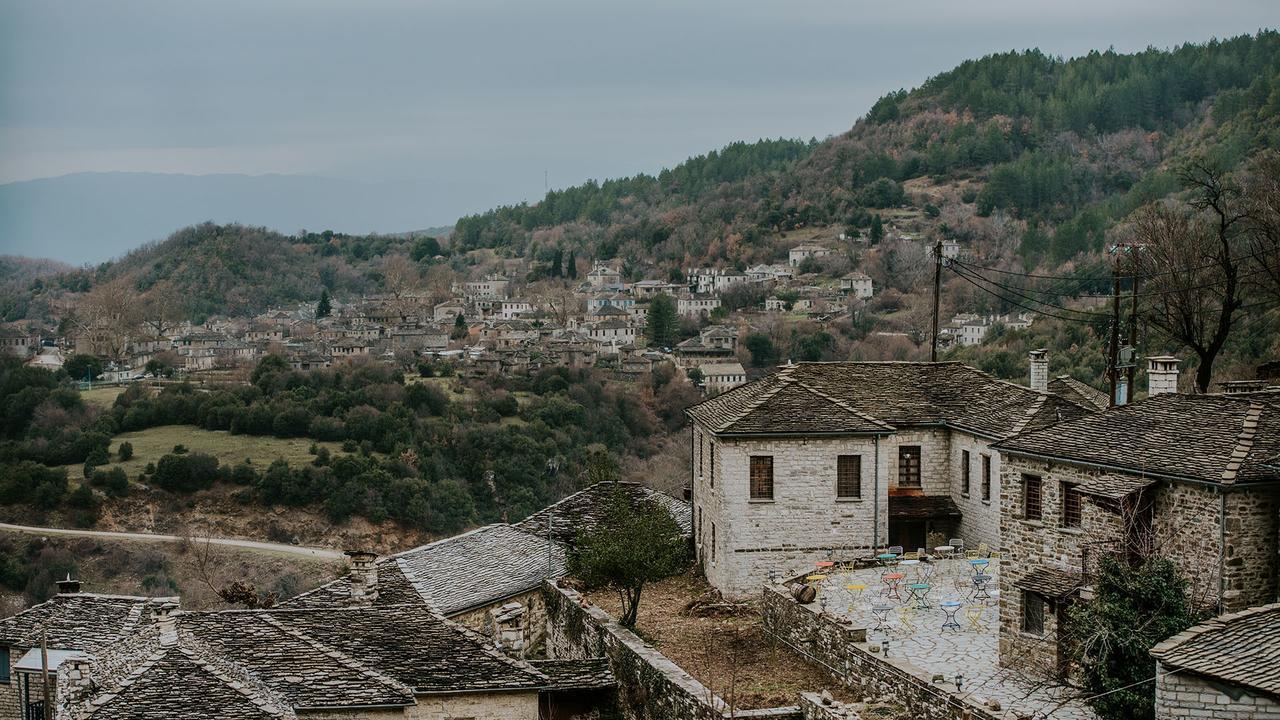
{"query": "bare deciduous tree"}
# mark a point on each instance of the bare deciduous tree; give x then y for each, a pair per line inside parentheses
(1193, 261)
(1262, 198)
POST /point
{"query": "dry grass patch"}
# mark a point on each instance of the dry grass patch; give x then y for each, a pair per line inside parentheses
(729, 653)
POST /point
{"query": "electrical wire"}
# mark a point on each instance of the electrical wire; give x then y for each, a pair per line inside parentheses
(1084, 315)
(1158, 293)
(1038, 311)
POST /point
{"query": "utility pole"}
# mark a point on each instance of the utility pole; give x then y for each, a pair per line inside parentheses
(937, 297)
(1113, 355)
(1131, 371)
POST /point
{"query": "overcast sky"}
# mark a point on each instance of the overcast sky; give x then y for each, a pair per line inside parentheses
(486, 95)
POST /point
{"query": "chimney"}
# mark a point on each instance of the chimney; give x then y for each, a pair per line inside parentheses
(1040, 369)
(363, 578)
(1162, 375)
(162, 615)
(68, 585)
(75, 678)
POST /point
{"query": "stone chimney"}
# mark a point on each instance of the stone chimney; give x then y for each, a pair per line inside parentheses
(162, 616)
(68, 585)
(75, 677)
(1162, 375)
(363, 578)
(1040, 369)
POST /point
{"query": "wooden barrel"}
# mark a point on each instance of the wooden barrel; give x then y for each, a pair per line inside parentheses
(804, 594)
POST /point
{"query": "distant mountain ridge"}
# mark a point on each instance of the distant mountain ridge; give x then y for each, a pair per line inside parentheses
(87, 218)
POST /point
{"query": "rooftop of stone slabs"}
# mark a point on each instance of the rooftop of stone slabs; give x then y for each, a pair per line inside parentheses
(935, 651)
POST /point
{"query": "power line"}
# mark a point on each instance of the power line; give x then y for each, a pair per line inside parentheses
(970, 276)
(1104, 278)
(1038, 311)
(1157, 293)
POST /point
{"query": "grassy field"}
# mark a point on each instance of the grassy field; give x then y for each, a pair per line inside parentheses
(151, 444)
(102, 396)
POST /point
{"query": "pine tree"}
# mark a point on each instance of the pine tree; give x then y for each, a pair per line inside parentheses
(571, 269)
(662, 322)
(557, 262)
(324, 307)
(877, 229)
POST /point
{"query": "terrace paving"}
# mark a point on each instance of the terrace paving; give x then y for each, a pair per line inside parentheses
(971, 651)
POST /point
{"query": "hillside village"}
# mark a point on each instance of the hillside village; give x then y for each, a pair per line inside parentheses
(498, 323)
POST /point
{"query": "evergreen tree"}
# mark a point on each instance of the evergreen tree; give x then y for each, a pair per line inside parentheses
(571, 270)
(557, 262)
(662, 322)
(877, 229)
(324, 307)
(459, 327)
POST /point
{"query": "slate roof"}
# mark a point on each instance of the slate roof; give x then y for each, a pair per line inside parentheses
(1240, 648)
(297, 667)
(1049, 582)
(582, 511)
(457, 573)
(414, 646)
(879, 397)
(1222, 439)
(176, 678)
(1078, 392)
(589, 674)
(79, 621)
(922, 507)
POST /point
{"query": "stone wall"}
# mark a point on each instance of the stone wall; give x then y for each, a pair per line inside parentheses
(10, 703)
(1183, 695)
(1187, 530)
(1249, 554)
(935, 458)
(980, 521)
(843, 651)
(535, 618)
(813, 708)
(650, 686)
(1045, 542)
(803, 523)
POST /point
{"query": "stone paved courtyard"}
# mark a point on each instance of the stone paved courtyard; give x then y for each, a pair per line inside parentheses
(916, 634)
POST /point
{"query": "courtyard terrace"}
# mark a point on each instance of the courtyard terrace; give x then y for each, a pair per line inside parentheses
(915, 632)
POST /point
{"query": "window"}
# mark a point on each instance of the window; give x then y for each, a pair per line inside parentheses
(761, 477)
(986, 478)
(849, 476)
(711, 445)
(699, 523)
(909, 466)
(1070, 506)
(700, 454)
(4, 663)
(713, 542)
(1031, 498)
(964, 473)
(1032, 613)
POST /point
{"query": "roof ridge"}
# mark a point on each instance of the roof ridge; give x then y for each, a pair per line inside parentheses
(234, 676)
(1031, 413)
(419, 585)
(337, 655)
(1244, 442)
(783, 379)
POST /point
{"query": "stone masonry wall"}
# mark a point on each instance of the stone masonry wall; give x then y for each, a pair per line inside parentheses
(935, 458)
(803, 523)
(650, 686)
(1187, 530)
(1045, 542)
(1183, 695)
(1250, 551)
(980, 521)
(10, 703)
(535, 617)
(842, 649)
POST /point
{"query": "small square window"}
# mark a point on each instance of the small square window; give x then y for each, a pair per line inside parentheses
(1070, 506)
(1032, 507)
(909, 466)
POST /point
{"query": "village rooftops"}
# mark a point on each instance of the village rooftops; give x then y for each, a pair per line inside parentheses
(582, 510)
(877, 398)
(79, 621)
(272, 663)
(1221, 439)
(458, 573)
(1240, 648)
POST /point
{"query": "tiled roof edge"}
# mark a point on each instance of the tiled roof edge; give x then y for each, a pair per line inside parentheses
(1220, 622)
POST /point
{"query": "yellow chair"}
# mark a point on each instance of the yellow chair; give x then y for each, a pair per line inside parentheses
(907, 618)
(911, 556)
(855, 590)
(974, 614)
(971, 555)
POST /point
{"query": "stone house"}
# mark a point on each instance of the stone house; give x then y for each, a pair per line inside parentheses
(448, 310)
(836, 460)
(1224, 668)
(696, 305)
(719, 377)
(601, 275)
(1194, 478)
(15, 342)
(857, 284)
(800, 253)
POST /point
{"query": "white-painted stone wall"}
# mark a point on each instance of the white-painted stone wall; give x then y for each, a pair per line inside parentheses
(1182, 695)
(803, 523)
(981, 515)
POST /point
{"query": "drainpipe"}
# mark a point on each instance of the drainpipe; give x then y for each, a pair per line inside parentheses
(875, 505)
(1222, 546)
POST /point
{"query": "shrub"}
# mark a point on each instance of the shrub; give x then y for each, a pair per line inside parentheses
(179, 449)
(125, 451)
(186, 473)
(114, 481)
